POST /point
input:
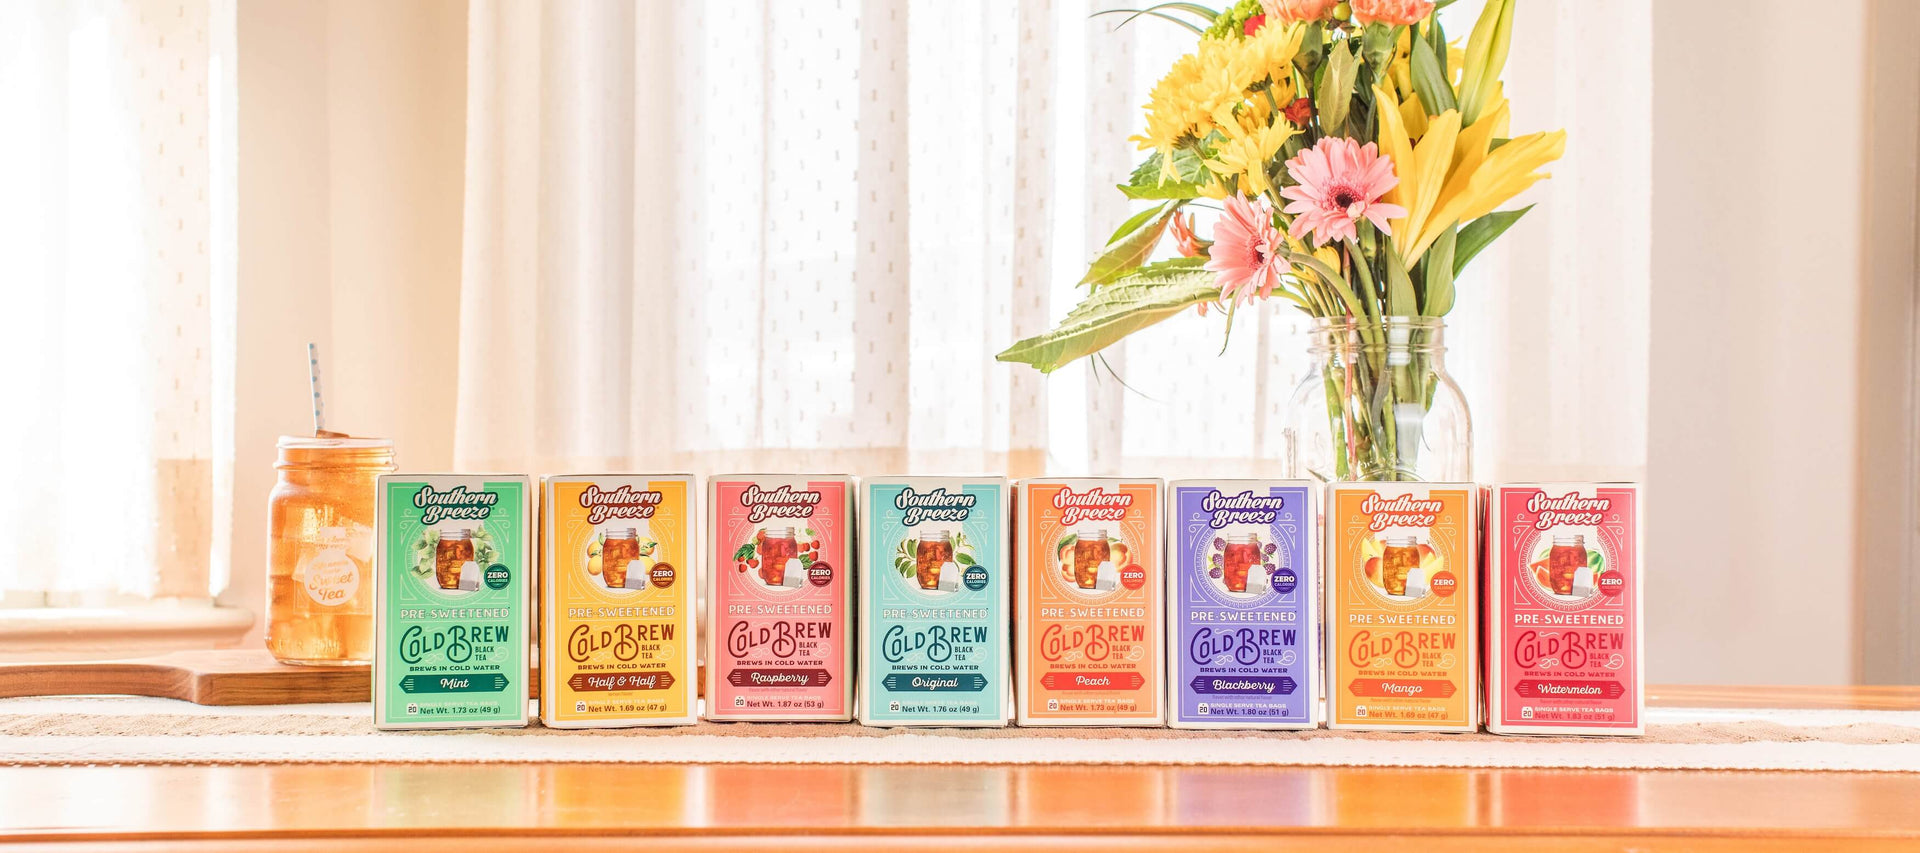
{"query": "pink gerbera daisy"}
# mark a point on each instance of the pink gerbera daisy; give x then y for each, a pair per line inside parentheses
(1248, 253)
(1340, 182)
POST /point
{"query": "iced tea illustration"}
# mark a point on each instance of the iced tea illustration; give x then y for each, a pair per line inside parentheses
(1400, 554)
(1569, 555)
(1090, 549)
(454, 550)
(1242, 552)
(622, 546)
(934, 550)
(777, 546)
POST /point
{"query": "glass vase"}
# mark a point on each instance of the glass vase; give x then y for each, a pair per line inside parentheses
(1378, 405)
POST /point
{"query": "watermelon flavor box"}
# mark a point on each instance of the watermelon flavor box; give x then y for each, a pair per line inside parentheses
(1563, 609)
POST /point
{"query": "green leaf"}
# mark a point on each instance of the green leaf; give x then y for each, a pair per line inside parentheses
(1183, 182)
(744, 552)
(1335, 97)
(1126, 305)
(1131, 244)
(1480, 232)
(962, 558)
(806, 560)
(1312, 47)
(1437, 266)
(1430, 80)
(1400, 299)
(1437, 42)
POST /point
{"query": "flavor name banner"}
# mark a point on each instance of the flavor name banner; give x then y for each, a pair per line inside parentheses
(1402, 640)
(1243, 614)
(934, 588)
(617, 601)
(1090, 610)
(780, 596)
(1564, 630)
(451, 609)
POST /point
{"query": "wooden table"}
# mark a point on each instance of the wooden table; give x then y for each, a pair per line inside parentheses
(592, 807)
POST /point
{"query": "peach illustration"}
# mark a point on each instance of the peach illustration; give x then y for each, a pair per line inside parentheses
(1371, 547)
(1373, 572)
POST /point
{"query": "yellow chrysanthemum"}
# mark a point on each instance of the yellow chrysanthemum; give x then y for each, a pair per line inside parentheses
(1212, 82)
(1246, 153)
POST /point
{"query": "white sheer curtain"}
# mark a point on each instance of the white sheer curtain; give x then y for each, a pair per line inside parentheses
(116, 298)
(793, 235)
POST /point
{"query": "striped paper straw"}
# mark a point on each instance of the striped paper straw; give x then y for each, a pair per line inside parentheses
(313, 380)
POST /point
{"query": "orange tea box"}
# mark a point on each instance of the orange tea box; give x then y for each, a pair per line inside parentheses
(1402, 639)
(617, 609)
(1089, 611)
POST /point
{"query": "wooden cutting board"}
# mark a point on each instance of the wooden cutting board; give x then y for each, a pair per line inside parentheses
(213, 677)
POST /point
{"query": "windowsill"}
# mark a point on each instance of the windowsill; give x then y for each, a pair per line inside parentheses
(74, 633)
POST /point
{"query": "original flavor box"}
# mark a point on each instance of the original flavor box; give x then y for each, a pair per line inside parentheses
(1402, 615)
(451, 601)
(780, 598)
(1563, 609)
(935, 642)
(1243, 609)
(617, 601)
(1089, 628)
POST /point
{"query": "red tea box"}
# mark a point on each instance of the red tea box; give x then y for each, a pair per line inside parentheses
(1563, 609)
(780, 598)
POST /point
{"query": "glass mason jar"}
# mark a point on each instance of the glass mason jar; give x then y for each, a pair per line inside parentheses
(320, 549)
(1378, 405)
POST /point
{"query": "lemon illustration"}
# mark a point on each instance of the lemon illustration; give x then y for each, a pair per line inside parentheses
(593, 565)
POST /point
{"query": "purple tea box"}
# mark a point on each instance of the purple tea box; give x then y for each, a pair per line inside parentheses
(1243, 604)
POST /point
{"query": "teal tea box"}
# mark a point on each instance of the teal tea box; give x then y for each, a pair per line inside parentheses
(934, 635)
(451, 604)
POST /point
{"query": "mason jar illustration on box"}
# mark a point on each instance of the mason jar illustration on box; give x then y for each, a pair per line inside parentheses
(779, 556)
(618, 553)
(1093, 559)
(935, 559)
(1402, 565)
(453, 559)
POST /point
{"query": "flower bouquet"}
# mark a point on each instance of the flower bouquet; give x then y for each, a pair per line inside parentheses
(1360, 160)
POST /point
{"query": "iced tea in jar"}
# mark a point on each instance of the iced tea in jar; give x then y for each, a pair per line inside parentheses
(320, 529)
(1399, 557)
(777, 546)
(1241, 553)
(1568, 557)
(1090, 549)
(933, 550)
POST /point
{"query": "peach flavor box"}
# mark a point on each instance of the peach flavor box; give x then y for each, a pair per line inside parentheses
(1563, 609)
(1089, 622)
(780, 598)
(1402, 606)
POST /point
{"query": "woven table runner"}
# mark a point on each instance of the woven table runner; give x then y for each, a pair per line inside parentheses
(115, 730)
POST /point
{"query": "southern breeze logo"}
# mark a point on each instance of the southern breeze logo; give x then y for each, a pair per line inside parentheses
(454, 503)
(936, 505)
(623, 502)
(1568, 509)
(1403, 511)
(782, 502)
(1244, 508)
(1095, 505)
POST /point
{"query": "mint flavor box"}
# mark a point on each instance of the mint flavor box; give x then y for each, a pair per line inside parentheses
(934, 586)
(451, 600)
(1243, 604)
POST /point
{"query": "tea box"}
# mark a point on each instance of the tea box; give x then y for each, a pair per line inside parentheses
(935, 645)
(1243, 614)
(780, 598)
(1402, 641)
(1089, 633)
(451, 607)
(1563, 609)
(617, 600)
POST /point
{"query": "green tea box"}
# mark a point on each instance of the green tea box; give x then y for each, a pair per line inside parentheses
(452, 600)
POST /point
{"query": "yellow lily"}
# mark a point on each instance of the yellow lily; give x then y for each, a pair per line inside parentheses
(1422, 169)
(1486, 57)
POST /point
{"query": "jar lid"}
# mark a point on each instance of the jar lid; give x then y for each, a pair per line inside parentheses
(310, 442)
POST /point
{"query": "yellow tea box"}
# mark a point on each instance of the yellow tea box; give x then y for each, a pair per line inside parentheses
(617, 604)
(451, 607)
(1402, 592)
